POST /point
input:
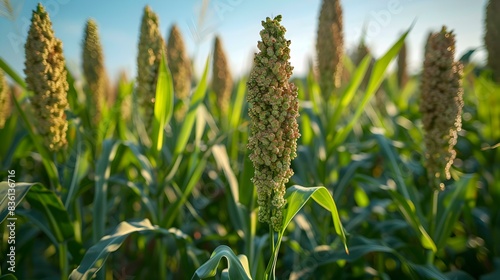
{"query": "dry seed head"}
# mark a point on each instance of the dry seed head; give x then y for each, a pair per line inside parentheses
(273, 113)
(93, 68)
(492, 37)
(178, 63)
(46, 78)
(151, 45)
(222, 81)
(441, 105)
(5, 106)
(330, 46)
(402, 67)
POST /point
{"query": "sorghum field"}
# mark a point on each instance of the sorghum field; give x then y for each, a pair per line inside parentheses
(353, 171)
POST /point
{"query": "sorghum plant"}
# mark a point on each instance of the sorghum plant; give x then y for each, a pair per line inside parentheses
(46, 78)
(273, 113)
(330, 46)
(492, 38)
(4, 100)
(151, 45)
(178, 63)
(222, 81)
(441, 105)
(93, 68)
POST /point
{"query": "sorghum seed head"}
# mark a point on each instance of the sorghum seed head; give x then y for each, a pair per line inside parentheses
(46, 78)
(178, 63)
(222, 81)
(151, 45)
(273, 113)
(330, 46)
(4, 100)
(93, 68)
(441, 105)
(492, 38)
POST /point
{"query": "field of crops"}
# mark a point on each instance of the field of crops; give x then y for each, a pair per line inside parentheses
(353, 171)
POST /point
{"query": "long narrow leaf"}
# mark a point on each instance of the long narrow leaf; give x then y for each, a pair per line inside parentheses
(7, 69)
(164, 104)
(96, 256)
(237, 265)
(196, 100)
(101, 187)
(375, 80)
(297, 197)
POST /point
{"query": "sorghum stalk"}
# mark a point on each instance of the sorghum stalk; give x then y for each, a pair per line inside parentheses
(330, 46)
(222, 81)
(178, 63)
(273, 113)
(4, 100)
(402, 67)
(93, 69)
(46, 78)
(492, 38)
(151, 45)
(441, 105)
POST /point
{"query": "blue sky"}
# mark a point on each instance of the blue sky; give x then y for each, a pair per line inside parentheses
(238, 22)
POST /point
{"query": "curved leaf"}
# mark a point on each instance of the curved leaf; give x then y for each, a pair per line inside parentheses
(43, 200)
(96, 256)
(237, 265)
(297, 196)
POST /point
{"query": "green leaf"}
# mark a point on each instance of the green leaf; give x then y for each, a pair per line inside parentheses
(376, 79)
(237, 107)
(96, 256)
(297, 197)
(102, 173)
(47, 161)
(349, 93)
(197, 167)
(452, 209)
(41, 199)
(8, 202)
(196, 100)
(408, 210)
(237, 265)
(164, 104)
(7, 69)
(360, 247)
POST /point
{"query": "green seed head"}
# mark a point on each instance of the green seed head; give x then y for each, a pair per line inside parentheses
(178, 63)
(492, 38)
(4, 99)
(151, 45)
(441, 105)
(273, 113)
(222, 81)
(330, 46)
(93, 68)
(46, 78)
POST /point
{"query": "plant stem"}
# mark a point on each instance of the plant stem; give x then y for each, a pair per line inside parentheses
(269, 264)
(275, 248)
(63, 260)
(162, 259)
(432, 225)
(433, 217)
